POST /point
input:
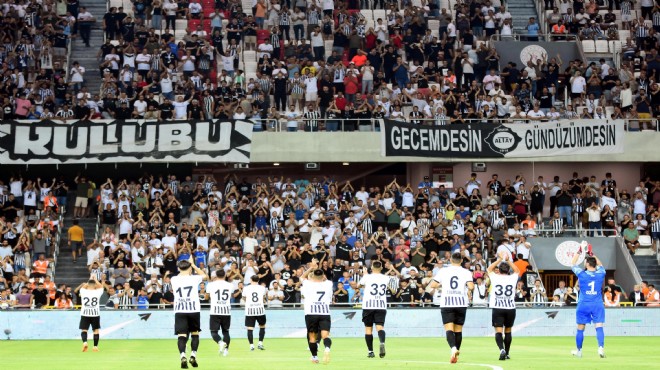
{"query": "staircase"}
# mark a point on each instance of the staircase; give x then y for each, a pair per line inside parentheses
(86, 56)
(67, 272)
(648, 268)
(521, 11)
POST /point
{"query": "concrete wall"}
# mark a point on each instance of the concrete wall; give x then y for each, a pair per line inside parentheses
(366, 147)
(413, 322)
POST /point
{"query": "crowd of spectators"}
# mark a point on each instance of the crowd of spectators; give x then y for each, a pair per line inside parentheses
(304, 62)
(272, 227)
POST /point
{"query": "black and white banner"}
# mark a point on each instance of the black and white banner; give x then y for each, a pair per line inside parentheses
(496, 141)
(51, 142)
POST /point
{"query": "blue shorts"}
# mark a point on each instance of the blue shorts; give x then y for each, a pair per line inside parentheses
(588, 313)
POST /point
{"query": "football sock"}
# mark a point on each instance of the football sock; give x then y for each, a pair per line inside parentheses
(83, 335)
(381, 336)
(327, 343)
(262, 334)
(182, 345)
(314, 348)
(369, 338)
(507, 342)
(579, 338)
(451, 339)
(194, 343)
(600, 336)
(499, 340)
(215, 336)
(251, 336)
(459, 339)
(96, 340)
(226, 338)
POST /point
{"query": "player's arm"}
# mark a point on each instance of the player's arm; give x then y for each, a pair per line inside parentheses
(494, 265)
(197, 270)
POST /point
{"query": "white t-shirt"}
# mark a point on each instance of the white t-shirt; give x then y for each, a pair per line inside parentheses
(186, 293)
(220, 292)
(375, 291)
(317, 297)
(180, 109)
(453, 280)
(254, 299)
(503, 292)
(578, 84)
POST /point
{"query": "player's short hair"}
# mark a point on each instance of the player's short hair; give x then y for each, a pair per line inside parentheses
(456, 258)
(220, 273)
(376, 265)
(591, 261)
(504, 268)
(254, 278)
(91, 281)
(183, 265)
(318, 272)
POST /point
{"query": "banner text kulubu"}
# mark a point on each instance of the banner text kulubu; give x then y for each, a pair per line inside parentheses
(48, 142)
(481, 140)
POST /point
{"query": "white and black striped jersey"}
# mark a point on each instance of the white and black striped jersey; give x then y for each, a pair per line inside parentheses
(220, 292)
(415, 117)
(64, 113)
(453, 280)
(655, 225)
(578, 205)
(186, 293)
(285, 19)
(312, 118)
(436, 212)
(254, 299)
(557, 224)
(367, 227)
(317, 297)
(126, 300)
(656, 19)
(91, 302)
(503, 291)
(375, 291)
(626, 6)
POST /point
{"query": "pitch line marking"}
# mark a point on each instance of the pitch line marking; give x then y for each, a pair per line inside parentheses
(492, 367)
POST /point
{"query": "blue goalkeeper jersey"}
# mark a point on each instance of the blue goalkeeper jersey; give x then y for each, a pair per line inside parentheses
(591, 285)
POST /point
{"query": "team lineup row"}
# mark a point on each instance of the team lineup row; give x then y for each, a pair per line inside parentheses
(456, 283)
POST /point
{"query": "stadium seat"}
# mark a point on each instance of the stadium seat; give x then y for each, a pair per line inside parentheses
(602, 46)
(588, 46)
(615, 46)
(181, 24)
(379, 13)
(367, 13)
(645, 244)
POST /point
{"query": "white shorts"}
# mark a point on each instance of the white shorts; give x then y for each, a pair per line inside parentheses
(81, 202)
(311, 96)
(626, 17)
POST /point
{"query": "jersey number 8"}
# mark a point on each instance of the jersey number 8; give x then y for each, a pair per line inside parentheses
(507, 292)
(87, 301)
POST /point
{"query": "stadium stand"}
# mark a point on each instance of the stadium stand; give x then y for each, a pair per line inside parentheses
(446, 47)
(136, 231)
(155, 52)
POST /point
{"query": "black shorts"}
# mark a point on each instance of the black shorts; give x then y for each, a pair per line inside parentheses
(86, 321)
(251, 320)
(503, 318)
(186, 323)
(371, 317)
(220, 323)
(317, 323)
(455, 315)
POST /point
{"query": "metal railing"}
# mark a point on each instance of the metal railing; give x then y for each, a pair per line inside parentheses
(621, 244)
(549, 37)
(374, 124)
(334, 306)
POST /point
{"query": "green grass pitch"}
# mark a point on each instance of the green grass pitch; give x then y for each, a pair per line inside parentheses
(347, 353)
